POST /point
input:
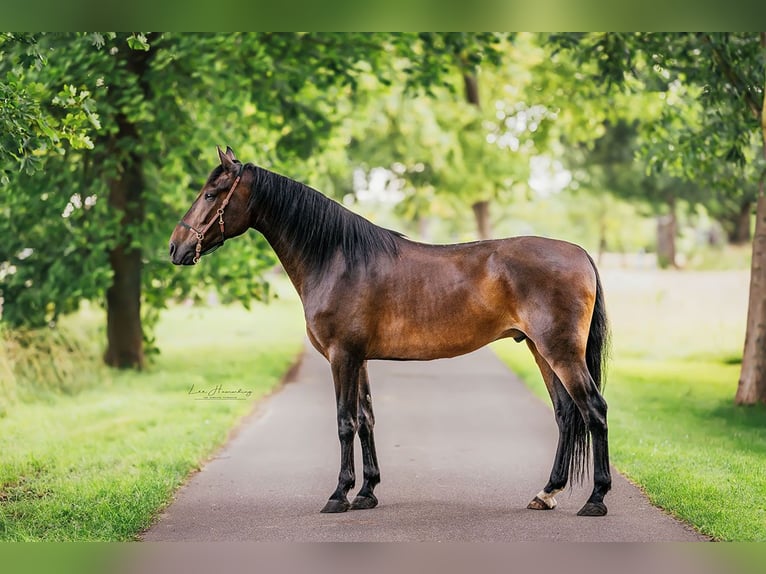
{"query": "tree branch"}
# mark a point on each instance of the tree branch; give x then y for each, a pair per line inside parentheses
(733, 77)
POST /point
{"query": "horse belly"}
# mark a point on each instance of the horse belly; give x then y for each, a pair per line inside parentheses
(431, 329)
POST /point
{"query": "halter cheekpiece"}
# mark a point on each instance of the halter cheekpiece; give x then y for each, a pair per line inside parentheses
(219, 212)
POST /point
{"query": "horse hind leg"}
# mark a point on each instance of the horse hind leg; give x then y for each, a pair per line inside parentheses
(366, 499)
(564, 409)
(602, 480)
(592, 407)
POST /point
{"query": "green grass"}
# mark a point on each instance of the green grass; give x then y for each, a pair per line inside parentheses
(674, 428)
(41, 364)
(99, 464)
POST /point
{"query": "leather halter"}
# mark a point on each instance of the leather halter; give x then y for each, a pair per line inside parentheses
(219, 212)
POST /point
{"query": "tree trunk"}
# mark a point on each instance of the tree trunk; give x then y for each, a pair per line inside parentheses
(483, 223)
(666, 238)
(471, 85)
(480, 208)
(741, 234)
(752, 378)
(124, 332)
(125, 340)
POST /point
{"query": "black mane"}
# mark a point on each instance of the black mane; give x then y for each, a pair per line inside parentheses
(315, 226)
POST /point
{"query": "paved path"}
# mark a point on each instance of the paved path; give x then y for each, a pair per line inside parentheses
(463, 446)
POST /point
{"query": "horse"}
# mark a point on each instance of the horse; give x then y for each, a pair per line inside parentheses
(369, 293)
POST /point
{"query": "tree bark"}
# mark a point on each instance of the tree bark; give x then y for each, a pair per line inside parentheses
(471, 85)
(666, 238)
(741, 233)
(752, 378)
(483, 223)
(125, 336)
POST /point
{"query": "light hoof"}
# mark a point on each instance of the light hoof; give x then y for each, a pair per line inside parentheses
(539, 504)
(335, 506)
(364, 502)
(593, 509)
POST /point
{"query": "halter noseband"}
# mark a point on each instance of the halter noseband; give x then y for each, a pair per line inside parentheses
(201, 233)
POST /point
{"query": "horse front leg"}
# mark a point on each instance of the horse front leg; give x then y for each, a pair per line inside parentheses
(365, 498)
(345, 374)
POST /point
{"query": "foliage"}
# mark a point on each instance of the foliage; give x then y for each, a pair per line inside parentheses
(442, 152)
(29, 127)
(436, 55)
(709, 87)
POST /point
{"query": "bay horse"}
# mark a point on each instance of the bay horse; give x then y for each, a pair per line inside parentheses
(370, 293)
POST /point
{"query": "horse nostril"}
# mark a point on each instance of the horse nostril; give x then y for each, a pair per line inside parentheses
(172, 248)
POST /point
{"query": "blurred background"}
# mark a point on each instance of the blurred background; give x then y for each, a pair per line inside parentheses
(645, 148)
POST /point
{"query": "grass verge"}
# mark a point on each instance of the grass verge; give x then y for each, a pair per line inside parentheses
(674, 428)
(98, 465)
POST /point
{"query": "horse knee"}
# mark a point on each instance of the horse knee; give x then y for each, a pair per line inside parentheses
(347, 427)
(366, 418)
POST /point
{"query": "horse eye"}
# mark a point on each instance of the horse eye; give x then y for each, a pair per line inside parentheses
(209, 196)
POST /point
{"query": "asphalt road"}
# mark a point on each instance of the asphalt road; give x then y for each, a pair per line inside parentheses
(463, 447)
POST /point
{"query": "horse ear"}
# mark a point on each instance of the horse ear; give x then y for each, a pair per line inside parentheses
(227, 159)
(230, 153)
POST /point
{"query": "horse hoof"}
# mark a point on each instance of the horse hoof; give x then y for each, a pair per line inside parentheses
(539, 504)
(593, 509)
(364, 502)
(335, 506)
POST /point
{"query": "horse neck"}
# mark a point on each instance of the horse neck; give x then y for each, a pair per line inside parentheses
(310, 233)
(265, 217)
(292, 264)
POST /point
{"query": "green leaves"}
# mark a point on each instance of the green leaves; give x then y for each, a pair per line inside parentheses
(39, 116)
(706, 130)
(138, 42)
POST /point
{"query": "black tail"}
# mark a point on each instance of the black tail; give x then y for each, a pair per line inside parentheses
(597, 350)
(596, 354)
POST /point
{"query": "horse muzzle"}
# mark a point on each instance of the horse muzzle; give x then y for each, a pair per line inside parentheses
(185, 255)
(181, 255)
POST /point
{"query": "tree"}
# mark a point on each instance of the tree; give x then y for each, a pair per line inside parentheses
(728, 71)
(468, 57)
(752, 380)
(610, 165)
(445, 151)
